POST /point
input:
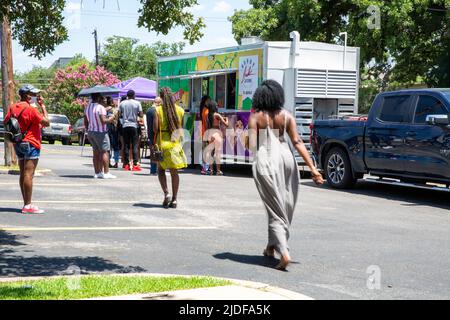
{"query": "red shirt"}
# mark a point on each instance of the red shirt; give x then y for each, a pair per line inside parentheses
(30, 122)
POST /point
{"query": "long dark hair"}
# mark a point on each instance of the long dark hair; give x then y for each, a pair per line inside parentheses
(169, 110)
(269, 97)
(205, 99)
(212, 107)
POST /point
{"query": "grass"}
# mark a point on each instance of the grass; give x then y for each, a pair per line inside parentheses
(85, 287)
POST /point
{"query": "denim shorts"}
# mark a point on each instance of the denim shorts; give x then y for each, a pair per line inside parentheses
(26, 151)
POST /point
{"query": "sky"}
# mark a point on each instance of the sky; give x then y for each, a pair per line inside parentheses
(119, 17)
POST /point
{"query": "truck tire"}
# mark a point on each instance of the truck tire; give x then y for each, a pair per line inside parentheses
(50, 141)
(338, 169)
(65, 142)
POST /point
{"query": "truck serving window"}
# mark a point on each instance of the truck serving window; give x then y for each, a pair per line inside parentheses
(428, 105)
(231, 91)
(396, 109)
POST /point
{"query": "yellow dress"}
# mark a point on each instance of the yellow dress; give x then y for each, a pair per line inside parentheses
(173, 153)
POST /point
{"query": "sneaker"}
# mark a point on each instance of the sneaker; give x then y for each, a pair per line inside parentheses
(126, 167)
(32, 210)
(137, 168)
(109, 176)
(99, 176)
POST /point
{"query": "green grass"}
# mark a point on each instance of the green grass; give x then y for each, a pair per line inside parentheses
(64, 288)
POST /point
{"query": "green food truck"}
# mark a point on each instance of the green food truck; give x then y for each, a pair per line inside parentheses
(320, 81)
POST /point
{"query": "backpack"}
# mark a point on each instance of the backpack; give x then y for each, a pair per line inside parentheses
(13, 133)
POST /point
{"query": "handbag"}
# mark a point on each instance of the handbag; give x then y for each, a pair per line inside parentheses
(156, 155)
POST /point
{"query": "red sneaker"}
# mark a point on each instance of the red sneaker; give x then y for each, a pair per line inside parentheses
(32, 210)
(126, 167)
(137, 168)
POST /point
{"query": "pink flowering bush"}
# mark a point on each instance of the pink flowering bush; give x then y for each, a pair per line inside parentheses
(68, 82)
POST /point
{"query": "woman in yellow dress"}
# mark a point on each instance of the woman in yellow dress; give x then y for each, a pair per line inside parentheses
(168, 125)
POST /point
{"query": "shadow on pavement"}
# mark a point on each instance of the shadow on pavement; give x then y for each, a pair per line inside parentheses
(413, 196)
(147, 205)
(248, 259)
(80, 176)
(10, 210)
(13, 265)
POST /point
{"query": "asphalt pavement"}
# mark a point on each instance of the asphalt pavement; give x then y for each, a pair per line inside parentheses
(373, 242)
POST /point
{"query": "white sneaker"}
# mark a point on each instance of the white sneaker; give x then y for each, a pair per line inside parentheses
(99, 176)
(109, 176)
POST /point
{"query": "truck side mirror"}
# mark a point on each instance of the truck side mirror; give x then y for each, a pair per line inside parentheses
(437, 119)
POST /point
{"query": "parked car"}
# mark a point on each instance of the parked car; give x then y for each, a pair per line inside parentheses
(79, 133)
(2, 125)
(59, 130)
(406, 137)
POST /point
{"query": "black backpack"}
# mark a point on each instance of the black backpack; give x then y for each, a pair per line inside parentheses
(13, 133)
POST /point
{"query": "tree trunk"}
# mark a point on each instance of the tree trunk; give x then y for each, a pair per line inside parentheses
(7, 81)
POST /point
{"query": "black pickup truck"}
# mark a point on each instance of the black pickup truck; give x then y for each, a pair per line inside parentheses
(405, 138)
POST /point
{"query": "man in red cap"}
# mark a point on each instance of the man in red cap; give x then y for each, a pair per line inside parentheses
(29, 149)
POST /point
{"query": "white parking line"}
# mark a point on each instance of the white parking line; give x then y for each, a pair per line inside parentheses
(74, 202)
(105, 228)
(46, 184)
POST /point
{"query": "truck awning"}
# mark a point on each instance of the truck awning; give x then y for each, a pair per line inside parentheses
(201, 74)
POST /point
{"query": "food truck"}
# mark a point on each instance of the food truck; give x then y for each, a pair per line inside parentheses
(320, 81)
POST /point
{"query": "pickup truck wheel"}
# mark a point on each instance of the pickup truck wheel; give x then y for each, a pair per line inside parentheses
(338, 169)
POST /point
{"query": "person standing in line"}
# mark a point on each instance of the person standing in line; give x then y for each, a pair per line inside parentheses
(275, 168)
(130, 110)
(169, 134)
(150, 116)
(28, 151)
(215, 120)
(204, 118)
(95, 119)
(113, 111)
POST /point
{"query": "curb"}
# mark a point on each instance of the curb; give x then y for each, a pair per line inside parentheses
(15, 172)
(287, 294)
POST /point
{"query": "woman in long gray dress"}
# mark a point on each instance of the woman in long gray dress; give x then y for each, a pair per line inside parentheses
(275, 168)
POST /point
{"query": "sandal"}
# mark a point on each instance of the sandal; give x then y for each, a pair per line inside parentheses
(166, 202)
(219, 173)
(173, 204)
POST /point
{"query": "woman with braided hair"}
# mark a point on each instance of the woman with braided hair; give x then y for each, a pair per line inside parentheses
(169, 134)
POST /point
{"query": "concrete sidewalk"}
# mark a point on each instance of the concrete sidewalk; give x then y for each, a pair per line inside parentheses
(239, 290)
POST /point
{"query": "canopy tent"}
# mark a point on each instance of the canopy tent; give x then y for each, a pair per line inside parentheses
(145, 89)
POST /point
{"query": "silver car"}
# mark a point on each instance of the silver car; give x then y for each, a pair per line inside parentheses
(59, 130)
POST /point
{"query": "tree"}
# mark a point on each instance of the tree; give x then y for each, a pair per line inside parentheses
(38, 76)
(163, 49)
(162, 16)
(410, 42)
(68, 82)
(126, 58)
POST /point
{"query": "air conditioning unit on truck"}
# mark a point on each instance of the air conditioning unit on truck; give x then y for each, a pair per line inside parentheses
(320, 81)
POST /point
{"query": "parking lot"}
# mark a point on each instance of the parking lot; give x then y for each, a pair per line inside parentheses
(338, 238)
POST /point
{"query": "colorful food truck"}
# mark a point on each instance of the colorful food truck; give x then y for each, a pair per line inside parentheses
(320, 81)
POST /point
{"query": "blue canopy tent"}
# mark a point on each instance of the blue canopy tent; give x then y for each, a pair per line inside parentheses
(145, 89)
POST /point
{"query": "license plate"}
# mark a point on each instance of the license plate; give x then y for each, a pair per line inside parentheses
(57, 128)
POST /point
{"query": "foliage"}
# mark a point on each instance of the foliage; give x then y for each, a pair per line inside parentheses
(68, 82)
(126, 58)
(164, 49)
(38, 76)
(412, 40)
(162, 16)
(37, 25)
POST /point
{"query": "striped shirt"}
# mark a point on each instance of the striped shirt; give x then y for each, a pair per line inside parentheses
(93, 112)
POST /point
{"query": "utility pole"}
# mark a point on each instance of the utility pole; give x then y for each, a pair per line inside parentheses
(96, 47)
(7, 77)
